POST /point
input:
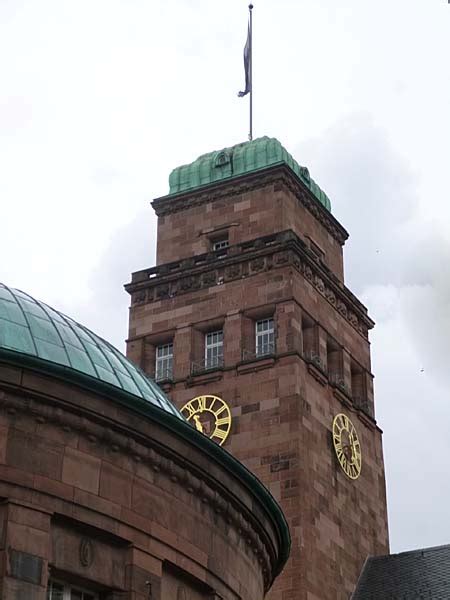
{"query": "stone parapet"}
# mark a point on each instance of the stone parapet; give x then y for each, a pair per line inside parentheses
(241, 261)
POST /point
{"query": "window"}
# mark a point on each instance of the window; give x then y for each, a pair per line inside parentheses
(61, 591)
(265, 337)
(310, 339)
(358, 378)
(164, 362)
(334, 362)
(214, 349)
(220, 244)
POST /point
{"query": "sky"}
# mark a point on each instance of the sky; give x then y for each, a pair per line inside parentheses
(100, 99)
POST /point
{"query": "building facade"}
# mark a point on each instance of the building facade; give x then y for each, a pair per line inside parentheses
(107, 493)
(247, 307)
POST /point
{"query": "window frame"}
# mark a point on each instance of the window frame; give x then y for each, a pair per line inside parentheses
(220, 243)
(266, 348)
(163, 371)
(213, 346)
(68, 589)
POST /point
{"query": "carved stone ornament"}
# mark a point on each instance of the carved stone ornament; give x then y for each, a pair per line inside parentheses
(273, 176)
(248, 261)
(86, 552)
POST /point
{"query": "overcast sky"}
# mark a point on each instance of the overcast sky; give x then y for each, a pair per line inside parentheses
(100, 99)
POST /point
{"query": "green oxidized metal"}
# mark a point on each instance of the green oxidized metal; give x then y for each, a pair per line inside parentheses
(32, 328)
(238, 160)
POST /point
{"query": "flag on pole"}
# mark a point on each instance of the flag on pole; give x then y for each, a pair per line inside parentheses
(247, 59)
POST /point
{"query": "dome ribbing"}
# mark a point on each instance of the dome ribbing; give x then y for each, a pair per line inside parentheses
(30, 328)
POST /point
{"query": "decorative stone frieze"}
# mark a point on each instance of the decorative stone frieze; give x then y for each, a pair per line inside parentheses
(279, 175)
(244, 260)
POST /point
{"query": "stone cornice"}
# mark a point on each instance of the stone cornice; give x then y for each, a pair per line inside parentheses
(279, 174)
(174, 467)
(244, 260)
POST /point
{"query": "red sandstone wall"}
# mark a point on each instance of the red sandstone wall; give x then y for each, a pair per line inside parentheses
(246, 216)
(282, 414)
(282, 406)
(76, 468)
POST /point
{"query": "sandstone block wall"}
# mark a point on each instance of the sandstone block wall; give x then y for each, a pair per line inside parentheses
(97, 495)
(282, 405)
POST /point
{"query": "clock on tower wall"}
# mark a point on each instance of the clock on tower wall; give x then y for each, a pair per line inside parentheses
(210, 415)
(248, 326)
(347, 446)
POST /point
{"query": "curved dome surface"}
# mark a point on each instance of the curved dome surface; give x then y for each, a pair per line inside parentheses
(29, 327)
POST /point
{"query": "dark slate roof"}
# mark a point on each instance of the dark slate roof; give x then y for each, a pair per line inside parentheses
(419, 574)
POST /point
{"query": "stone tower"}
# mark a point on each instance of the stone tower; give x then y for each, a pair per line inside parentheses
(247, 303)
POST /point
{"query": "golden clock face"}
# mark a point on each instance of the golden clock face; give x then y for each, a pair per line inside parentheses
(210, 415)
(347, 446)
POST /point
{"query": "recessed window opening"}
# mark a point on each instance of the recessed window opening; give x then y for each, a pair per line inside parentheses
(309, 338)
(334, 361)
(164, 362)
(265, 337)
(214, 349)
(62, 591)
(359, 394)
(220, 243)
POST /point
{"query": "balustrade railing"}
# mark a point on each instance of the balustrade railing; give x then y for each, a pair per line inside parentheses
(208, 364)
(262, 351)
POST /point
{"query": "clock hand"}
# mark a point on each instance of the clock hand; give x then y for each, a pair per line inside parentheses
(198, 424)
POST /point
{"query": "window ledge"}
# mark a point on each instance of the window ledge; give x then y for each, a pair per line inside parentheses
(208, 376)
(255, 364)
(165, 384)
(343, 398)
(317, 374)
(163, 380)
(367, 419)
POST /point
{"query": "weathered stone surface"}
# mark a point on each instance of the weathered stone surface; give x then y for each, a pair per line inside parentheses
(110, 500)
(282, 406)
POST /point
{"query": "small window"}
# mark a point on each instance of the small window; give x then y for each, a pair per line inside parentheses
(61, 591)
(220, 243)
(164, 362)
(214, 349)
(265, 337)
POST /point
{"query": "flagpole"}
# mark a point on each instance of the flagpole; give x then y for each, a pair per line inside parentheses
(250, 135)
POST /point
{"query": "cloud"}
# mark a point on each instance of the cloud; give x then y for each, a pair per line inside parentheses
(131, 248)
(395, 262)
(372, 194)
(100, 100)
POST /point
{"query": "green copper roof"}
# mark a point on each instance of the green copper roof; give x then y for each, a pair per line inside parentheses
(238, 160)
(32, 328)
